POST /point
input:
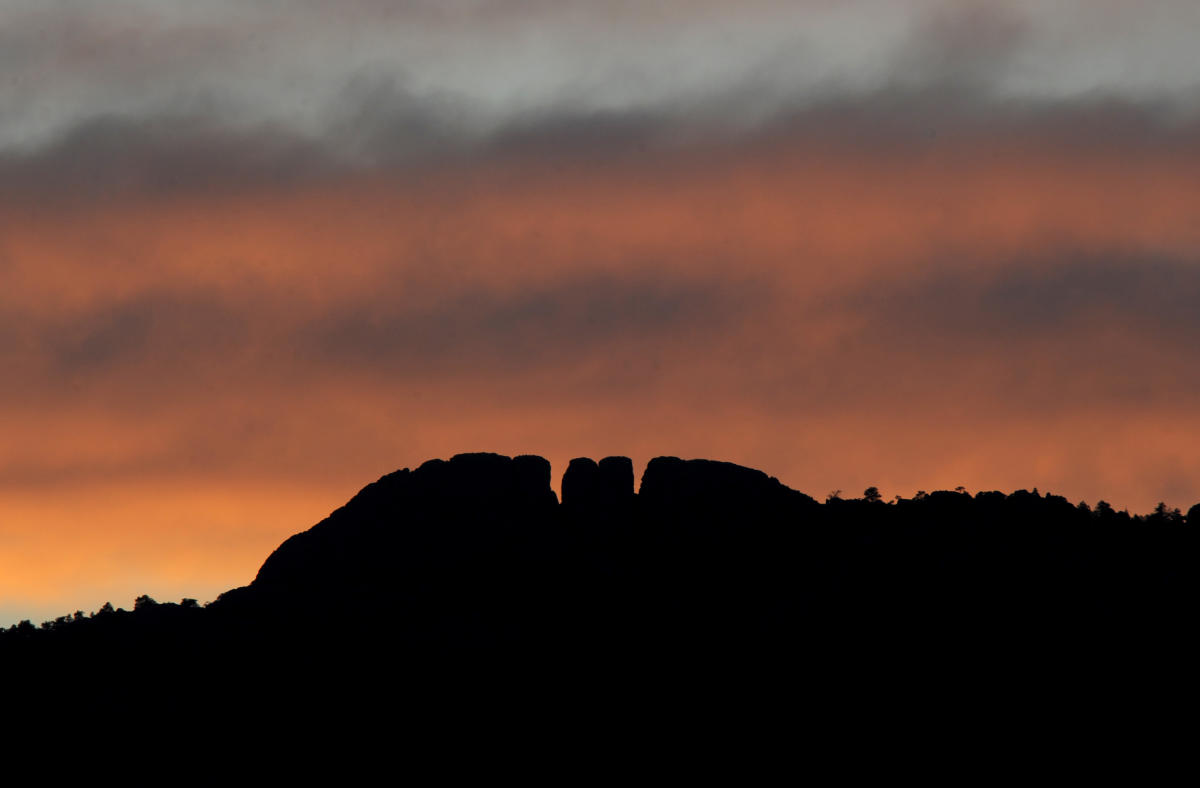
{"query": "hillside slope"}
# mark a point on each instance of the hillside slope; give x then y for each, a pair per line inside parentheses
(469, 572)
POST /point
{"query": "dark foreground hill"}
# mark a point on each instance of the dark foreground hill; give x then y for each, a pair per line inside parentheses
(468, 575)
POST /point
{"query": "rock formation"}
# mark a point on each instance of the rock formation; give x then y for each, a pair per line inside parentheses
(587, 484)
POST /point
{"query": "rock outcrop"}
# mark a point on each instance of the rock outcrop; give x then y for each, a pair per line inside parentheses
(604, 485)
(468, 567)
(580, 482)
(445, 510)
(672, 481)
(616, 479)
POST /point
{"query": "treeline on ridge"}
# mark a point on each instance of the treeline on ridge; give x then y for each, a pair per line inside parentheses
(476, 555)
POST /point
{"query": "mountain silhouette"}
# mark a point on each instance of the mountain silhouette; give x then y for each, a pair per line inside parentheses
(468, 575)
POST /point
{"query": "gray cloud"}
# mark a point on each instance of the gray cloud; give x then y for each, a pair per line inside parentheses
(170, 330)
(422, 76)
(1033, 299)
(560, 323)
(968, 44)
(382, 127)
(169, 96)
(136, 347)
(171, 346)
(161, 154)
(1045, 334)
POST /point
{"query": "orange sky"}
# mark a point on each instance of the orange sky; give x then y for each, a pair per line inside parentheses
(249, 263)
(197, 375)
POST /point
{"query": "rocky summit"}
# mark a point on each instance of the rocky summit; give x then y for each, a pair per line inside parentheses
(469, 572)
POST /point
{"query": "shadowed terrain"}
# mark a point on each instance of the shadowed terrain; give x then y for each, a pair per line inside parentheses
(468, 576)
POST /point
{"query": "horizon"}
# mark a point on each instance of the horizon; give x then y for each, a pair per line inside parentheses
(175, 591)
(254, 256)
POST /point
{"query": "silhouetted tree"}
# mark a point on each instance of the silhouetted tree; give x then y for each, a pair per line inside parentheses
(1165, 515)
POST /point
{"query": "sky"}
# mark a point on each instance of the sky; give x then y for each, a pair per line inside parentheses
(254, 255)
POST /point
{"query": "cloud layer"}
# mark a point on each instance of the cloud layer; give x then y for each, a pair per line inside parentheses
(256, 255)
